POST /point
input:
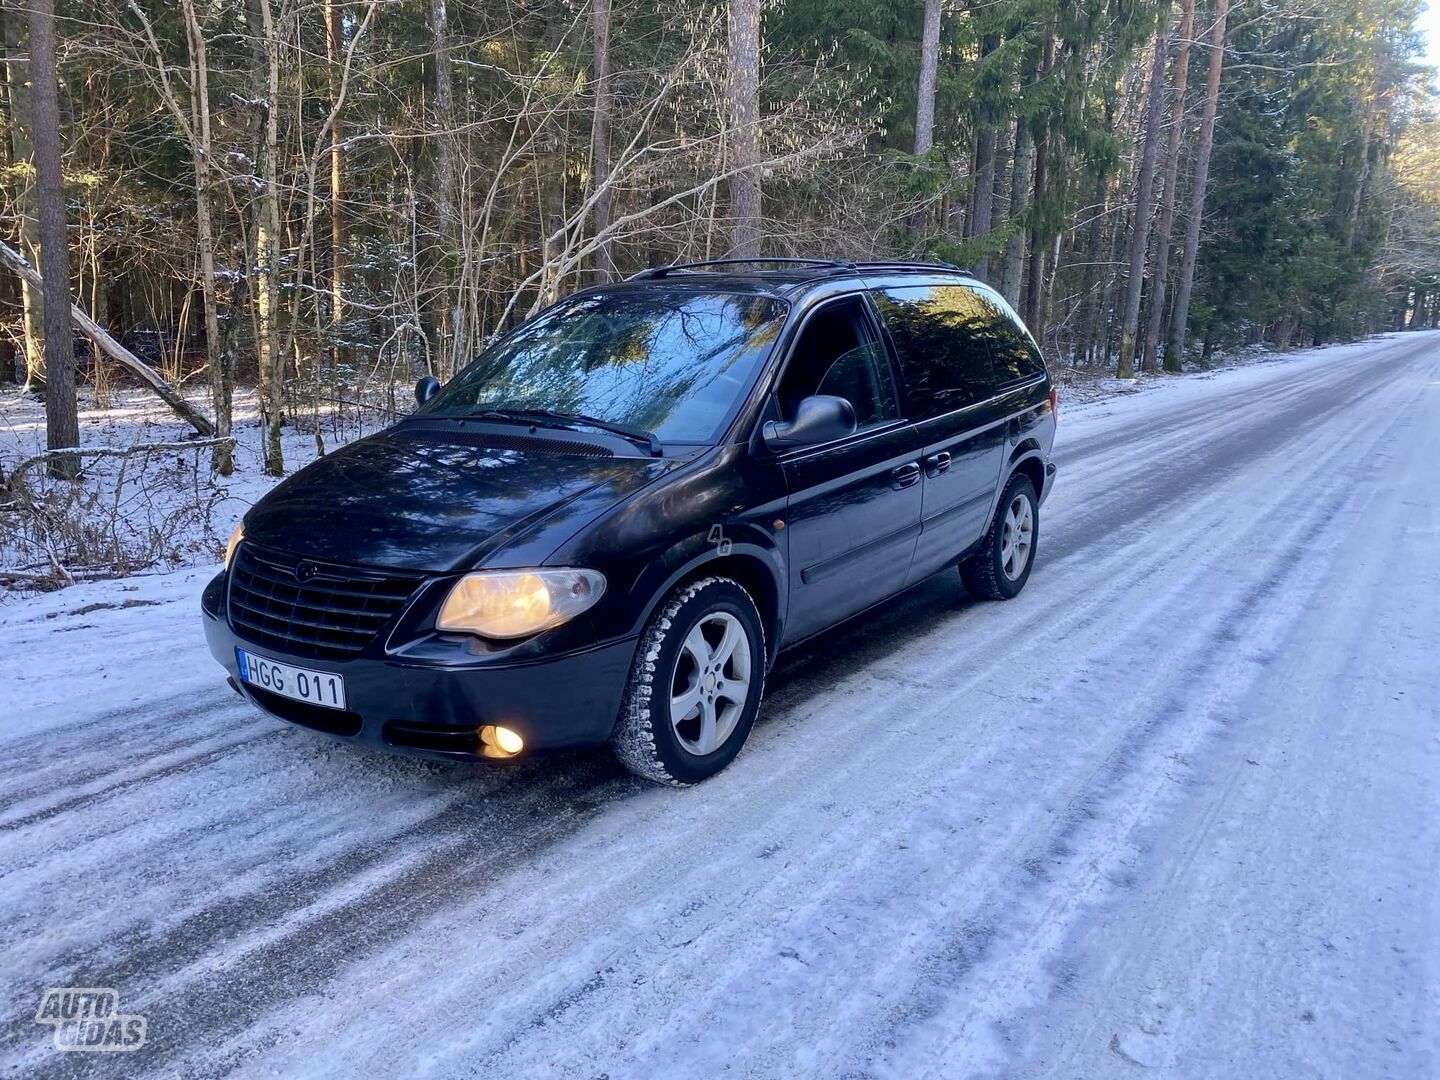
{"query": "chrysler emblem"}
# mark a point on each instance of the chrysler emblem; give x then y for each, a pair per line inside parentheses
(305, 571)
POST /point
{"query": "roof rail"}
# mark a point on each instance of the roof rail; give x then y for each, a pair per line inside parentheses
(911, 264)
(662, 271)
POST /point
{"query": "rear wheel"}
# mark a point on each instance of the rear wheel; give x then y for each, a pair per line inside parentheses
(1001, 566)
(695, 686)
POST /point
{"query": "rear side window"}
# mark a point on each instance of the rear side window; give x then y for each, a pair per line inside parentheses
(1011, 349)
(940, 336)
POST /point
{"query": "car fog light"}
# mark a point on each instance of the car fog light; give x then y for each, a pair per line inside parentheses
(498, 741)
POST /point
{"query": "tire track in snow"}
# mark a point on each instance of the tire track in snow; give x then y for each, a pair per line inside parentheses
(1146, 966)
(1312, 378)
(840, 781)
(228, 915)
(274, 950)
(124, 742)
(1084, 860)
(322, 915)
(87, 793)
(967, 946)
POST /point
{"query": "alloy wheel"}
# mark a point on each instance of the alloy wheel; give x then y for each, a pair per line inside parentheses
(1017, 537)
(711, 683)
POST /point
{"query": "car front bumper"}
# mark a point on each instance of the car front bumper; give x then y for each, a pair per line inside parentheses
(432, 710)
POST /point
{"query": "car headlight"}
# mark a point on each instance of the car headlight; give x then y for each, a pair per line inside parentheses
(517, 603)
(235, 538)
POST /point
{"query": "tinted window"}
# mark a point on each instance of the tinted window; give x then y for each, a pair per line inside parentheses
(672, 361)
(939, 333)
(1011, 349)
(838, 353)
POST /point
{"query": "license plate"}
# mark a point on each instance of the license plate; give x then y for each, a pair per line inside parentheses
(301, 684)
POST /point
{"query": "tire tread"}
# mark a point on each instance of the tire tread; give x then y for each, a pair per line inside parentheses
(981, 572)
(633, 740)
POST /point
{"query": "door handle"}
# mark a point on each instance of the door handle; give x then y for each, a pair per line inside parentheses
(935, 464)
(905, 475)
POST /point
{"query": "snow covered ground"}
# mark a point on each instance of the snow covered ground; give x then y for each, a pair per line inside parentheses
(1176, 809)
(157, 504)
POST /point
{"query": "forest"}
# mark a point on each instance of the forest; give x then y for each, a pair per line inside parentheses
(323, 199)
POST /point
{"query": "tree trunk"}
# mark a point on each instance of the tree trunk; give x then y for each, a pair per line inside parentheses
(1035, 289)
(221, 381)
(1166, 226)
(1013, 265)
(339, 239)
(12, 364)
(12, 354)
(1175, 345)
(267, 244)
(1140, 234)
(982, 199)
(22, 153)
(925, 92)
(1105, 338)
(1367, 132)
(983, 203)
(744, 93)
(1014, 256)
(1034, 296)
(925, 97)
(62, 428)
(456, 351)
(1090, 304)
(600, 139)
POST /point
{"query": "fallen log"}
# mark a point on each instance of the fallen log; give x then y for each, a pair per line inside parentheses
(113, 349)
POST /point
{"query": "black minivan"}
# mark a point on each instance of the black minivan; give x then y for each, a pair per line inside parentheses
(608, 525)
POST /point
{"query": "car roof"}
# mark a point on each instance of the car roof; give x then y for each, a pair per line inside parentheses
(782, 277)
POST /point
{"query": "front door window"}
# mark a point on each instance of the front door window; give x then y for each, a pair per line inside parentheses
(839, 354)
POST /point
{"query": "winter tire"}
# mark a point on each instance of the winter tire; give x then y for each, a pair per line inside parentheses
(1001, 566)
(695, 685)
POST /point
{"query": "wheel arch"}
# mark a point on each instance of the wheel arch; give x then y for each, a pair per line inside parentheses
(1027, 459)
(756, 566)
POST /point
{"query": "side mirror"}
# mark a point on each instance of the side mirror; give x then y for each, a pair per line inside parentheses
(426, 388)
(819, 418)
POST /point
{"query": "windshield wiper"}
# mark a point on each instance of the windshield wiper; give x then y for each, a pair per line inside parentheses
(554, 418)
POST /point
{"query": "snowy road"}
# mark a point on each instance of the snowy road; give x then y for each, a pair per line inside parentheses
(1176, 809)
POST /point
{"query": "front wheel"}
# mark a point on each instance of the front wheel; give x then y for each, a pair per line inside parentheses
(1000, 568)
(695, 685)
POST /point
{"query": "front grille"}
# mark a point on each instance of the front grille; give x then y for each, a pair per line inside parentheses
(330, 721)
(437, 738)
(331, 615)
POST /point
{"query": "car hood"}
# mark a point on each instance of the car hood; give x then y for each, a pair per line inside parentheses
(429, 503)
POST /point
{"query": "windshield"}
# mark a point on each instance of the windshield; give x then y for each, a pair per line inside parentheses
(669, 361)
